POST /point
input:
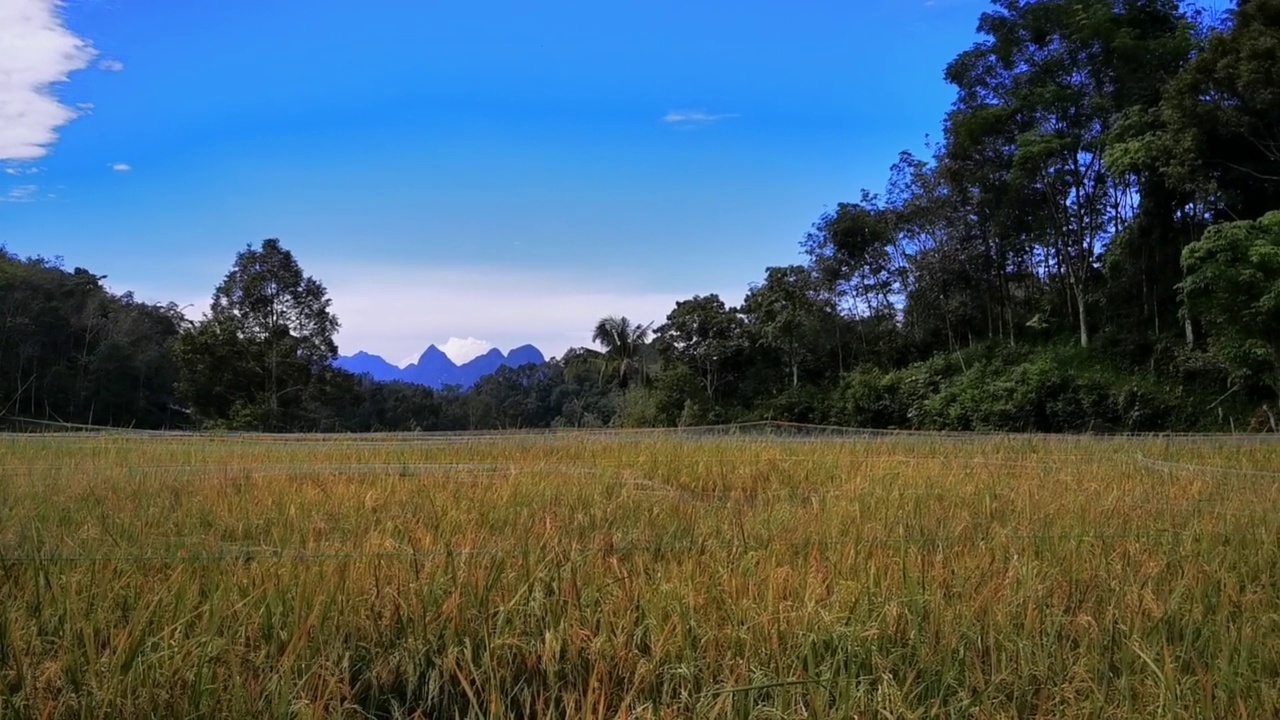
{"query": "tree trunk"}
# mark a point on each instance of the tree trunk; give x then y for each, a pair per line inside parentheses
(1075, 287)
(709, 384)
(1006, 309)
(1187, 327)
(839, 347)
(1084, 319)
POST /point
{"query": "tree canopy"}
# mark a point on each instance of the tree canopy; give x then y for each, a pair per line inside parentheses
(256, 357)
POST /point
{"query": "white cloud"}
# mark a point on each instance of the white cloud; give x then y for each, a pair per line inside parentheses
(20, 193)
(461, 350)
(121, 167)
(694, 117)
(111, 65)
(38, 53)
(396, 312)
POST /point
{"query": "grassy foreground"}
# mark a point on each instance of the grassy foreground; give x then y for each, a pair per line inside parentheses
(641, 577)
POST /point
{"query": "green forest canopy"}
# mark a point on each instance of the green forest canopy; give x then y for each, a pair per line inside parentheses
(1093, 243)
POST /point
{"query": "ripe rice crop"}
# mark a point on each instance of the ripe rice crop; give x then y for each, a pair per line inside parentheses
(643, 576)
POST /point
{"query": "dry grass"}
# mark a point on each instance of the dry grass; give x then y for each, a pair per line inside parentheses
(642, 577)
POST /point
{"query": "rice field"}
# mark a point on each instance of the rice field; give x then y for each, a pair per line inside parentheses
(638, 576)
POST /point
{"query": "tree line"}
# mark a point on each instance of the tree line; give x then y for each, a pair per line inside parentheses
(1092, 243)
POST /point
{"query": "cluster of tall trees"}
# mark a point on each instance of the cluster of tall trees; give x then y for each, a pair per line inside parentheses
(1093, 242)
(1103, 180)
(71, 351)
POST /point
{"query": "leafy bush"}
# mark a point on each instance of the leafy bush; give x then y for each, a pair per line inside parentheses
(869, 397)
(1056, 389)
(800, 404)
(639, 408)
(693, 414)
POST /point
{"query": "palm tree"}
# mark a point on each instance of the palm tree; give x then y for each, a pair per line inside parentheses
(622, 341)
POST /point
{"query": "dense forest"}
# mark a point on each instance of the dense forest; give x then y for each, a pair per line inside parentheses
(1092, 244)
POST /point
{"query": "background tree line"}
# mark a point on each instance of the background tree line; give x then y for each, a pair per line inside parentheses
(1092, 243)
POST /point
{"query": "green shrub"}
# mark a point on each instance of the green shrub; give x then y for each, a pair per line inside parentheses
(639, 408)
(800, 404)
(993, 388)
(872, 398)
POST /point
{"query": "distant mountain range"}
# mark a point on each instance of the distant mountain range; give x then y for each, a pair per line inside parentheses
(434, 369)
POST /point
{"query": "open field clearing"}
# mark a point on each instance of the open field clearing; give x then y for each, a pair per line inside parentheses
(642, 576)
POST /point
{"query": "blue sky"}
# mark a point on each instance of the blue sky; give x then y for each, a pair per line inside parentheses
(500, 172)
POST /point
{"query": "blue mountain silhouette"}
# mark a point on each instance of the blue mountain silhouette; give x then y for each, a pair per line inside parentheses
(434, 369)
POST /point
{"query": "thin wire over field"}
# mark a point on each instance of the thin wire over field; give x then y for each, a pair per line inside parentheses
(756, 430)
(623, 548)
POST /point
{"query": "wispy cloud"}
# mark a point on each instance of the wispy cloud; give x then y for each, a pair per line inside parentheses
(111, 65)
(21, 170)
(121, 167)
(20, 193)
(39, 52)
(695, 117)
(395, 312)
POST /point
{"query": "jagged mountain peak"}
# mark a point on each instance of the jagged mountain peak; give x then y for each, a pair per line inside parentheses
(524, 355)
(432, 352)
(435, 369)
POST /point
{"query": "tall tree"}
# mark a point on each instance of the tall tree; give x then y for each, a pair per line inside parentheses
(706, 336)
(266, 339)
(1224, 114)
(1161, 209)
(787, 313)
(624, 343)
(849, 251)
(1233, 286)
